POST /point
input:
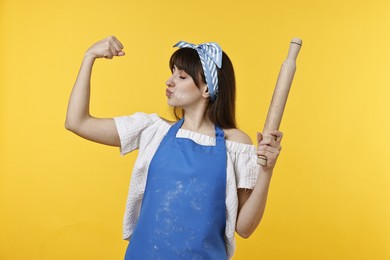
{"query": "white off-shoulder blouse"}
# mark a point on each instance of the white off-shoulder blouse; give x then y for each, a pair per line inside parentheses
(146, 131)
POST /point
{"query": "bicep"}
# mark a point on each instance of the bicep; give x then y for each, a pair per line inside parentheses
(243, 195)
(99, 130)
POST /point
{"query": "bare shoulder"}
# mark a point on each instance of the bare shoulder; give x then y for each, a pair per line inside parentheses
(236, 135)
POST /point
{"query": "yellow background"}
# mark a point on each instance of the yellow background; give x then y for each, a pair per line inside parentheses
(62, 197)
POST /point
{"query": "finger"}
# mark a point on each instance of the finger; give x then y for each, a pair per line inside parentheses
(114, 46)
(118, 47)
(274, 150)
(273, 139)
(267, 140)
(117, 42)
(113, 50)
(277, 134)
(108, 54)
(275, 146)
(262, 150)
(271, 157)
(259, 137)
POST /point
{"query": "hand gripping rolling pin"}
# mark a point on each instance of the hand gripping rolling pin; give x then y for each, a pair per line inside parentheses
(282, 88)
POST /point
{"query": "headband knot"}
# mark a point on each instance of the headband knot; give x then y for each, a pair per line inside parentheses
(210, 54)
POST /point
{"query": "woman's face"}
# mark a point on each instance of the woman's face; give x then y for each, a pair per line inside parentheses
(182, 91)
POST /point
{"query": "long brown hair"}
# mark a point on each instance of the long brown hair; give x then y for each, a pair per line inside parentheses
(222, 111)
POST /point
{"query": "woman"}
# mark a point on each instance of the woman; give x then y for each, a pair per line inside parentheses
(197, 179)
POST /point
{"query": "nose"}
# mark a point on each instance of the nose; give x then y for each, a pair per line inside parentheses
(169, 82)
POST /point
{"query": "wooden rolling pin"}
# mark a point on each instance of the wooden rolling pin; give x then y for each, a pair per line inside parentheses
(282, 88)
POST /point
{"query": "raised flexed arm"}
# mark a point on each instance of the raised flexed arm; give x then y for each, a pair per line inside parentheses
(78, 118)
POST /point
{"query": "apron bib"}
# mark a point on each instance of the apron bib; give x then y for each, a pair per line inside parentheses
(183, 212)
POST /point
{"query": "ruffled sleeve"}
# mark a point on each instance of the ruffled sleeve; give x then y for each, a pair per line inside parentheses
(130, 128)
(244, 160)
(242, 172)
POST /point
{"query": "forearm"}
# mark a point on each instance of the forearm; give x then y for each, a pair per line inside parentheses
(253, 209)
(78, 106)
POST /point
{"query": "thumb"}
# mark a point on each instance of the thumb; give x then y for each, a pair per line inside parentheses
(259, 137)
(121, 53)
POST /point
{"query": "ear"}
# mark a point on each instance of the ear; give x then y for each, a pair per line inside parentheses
(205, 91)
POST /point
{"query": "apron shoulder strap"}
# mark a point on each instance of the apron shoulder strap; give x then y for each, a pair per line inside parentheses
(219, 136)
(175, 128)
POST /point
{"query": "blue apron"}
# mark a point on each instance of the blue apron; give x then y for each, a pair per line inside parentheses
(183, 212)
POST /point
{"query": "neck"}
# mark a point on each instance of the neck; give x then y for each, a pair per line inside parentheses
(198, 121)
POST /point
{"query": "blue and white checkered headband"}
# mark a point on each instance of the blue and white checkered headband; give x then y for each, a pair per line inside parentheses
(210, 54)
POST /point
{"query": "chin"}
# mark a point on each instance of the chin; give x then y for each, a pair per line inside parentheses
(180, 102)
(172, 103)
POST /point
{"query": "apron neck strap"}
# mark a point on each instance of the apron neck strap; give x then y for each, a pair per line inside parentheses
(175, 128)
(219, 134)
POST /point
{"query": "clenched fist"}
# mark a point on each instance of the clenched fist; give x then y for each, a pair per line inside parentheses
(269, 146)
(106, 48)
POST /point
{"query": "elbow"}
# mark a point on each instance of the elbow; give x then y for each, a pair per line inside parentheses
(245, 236)
(244, 232)
(75, 125)
(67, 126)
(70, 126)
